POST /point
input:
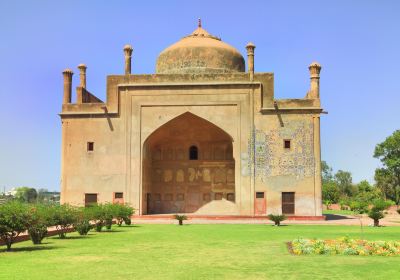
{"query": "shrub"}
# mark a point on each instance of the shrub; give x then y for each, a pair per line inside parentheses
(41, 218)
(398, 210)
(82, 224)
(344, 204)
(64, 216)
(180, 218)
(102, 215)
(376, 212)
(376, 216)
(14, 219)
(123, 212)
(97, 215)
(127, 221)
(109, 213)
(328, 204)
(277, 219)
(359, 206)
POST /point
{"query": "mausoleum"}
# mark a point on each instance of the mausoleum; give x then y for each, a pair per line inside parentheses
(202, 135)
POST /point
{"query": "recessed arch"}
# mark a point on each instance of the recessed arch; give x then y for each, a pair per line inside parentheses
(187, 163)
(186, 116)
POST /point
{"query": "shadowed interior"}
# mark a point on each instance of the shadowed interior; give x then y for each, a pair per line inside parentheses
(187, 163)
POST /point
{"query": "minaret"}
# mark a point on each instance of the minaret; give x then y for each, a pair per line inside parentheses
(128, 57)
(315, 69)
(250, 59)
(82, 75)
(67, 73)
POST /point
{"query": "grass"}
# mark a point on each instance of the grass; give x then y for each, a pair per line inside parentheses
(196, 252)
(338, 212)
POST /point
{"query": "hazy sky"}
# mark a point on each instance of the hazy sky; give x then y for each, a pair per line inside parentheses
(357, 43)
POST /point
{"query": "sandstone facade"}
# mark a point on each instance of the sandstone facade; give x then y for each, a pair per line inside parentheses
(200, 136)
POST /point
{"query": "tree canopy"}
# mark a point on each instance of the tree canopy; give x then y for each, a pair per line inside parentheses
(388, 177)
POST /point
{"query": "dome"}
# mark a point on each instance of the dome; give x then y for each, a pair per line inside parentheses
(200, 52)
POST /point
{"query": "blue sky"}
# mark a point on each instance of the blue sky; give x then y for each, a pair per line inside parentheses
(357, 43)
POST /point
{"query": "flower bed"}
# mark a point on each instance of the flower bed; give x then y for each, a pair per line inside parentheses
(345, 246)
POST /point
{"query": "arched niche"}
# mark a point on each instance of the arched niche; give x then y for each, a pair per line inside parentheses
(187, 163)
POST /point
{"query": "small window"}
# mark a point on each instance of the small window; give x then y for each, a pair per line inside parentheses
(90, 146)
(90, 199)
(259, 195)
(288, 203)
(286, 144)
(193, 153)
(118, 195)
(218, 196)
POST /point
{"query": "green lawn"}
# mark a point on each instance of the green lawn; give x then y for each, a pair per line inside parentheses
(196, 252)
(338, 212)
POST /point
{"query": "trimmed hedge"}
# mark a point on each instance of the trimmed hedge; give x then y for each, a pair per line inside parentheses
(17, 217)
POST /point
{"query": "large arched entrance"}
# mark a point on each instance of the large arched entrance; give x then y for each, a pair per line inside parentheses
(187, 164)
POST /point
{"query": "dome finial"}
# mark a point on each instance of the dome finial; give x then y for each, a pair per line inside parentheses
(199, 23)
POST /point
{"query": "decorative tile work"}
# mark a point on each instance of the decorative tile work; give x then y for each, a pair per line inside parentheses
(271, 159)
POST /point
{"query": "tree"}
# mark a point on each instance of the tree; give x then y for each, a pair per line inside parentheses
(99, 215)
(367, 192)
(26, 194)
(64, 216)
(388, 152)
(41, 217)
(345, 182)
(376, 212)
(14, 219)
(386, 182)
(330, 192)
(326, 171)
(82, 223)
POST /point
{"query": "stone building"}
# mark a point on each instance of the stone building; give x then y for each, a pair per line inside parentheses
(200, 136)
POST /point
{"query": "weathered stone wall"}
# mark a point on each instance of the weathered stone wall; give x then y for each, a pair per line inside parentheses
(278, 169)
(138, 105)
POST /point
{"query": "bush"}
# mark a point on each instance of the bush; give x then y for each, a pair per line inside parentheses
(64, 216)
(327, 203)
(41, 218)
(97, 214)
(376, 212)
(376, 216)
(127, 221)
(359, 206)
(109, 214)
(344, 204)
(277, 219)
(123, 213)
(82, 224)
(180, 218)
(398, 210)
(14, 219)
(102, 215)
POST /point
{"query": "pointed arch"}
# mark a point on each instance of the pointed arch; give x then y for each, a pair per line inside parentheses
(186, 161)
